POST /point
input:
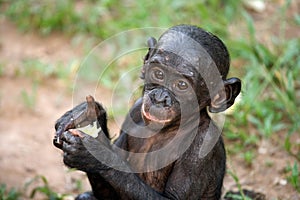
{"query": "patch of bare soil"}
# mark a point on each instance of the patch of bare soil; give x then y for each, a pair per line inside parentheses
(26, 148)
(266, 174)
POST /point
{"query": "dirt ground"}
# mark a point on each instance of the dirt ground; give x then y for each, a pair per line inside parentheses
(26, 148)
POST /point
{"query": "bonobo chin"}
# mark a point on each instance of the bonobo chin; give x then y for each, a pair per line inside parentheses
(168, 147)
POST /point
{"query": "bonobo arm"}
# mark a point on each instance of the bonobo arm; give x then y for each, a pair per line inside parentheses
(78, 154)
(101, 188)
(106, 182)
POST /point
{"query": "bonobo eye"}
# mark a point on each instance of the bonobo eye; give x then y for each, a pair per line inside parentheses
(182, 85)
(158, 74)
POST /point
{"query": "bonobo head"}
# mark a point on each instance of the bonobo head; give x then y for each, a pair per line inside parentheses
(185, 72)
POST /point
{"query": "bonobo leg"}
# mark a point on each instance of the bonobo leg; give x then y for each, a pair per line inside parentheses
(101, 188)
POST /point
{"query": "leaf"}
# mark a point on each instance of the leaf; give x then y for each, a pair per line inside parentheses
(250, 25)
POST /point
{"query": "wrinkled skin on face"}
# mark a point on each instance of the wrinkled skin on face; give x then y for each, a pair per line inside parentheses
(168, 148)
(165, 93)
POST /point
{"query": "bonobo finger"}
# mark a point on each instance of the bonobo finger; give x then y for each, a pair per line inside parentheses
(76, 133)
(68, 148)
(57, 142)
(66, 121)
(70, 138)
(73, 147)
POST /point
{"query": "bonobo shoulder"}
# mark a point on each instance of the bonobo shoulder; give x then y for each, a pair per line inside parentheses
(135, 111)
(134, 115)
(132, 119)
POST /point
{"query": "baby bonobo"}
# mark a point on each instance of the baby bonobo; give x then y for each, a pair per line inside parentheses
(168, 148)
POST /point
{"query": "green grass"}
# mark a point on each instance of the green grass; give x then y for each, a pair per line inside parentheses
(39, 70)
(269, 107)
(293, 175)
(36, 188)
(103, 18)
(271, 87)
(9, 194)
(1, 69)
(43, 189)
(29, 98)
(240, 196)
(42, 15)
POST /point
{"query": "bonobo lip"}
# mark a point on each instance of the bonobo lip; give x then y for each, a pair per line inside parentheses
(150, 117)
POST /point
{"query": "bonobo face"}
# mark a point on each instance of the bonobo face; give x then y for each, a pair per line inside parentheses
(166, 92)
(185, 71)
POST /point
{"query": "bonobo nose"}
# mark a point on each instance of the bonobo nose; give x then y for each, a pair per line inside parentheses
(161, 97)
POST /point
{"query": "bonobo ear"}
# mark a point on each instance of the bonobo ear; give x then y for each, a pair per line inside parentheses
(151, 44)
(225, 98)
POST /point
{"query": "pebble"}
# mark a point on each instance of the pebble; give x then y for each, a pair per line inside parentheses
(256, 5)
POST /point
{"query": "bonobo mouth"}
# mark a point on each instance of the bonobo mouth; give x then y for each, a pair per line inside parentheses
(151, 113)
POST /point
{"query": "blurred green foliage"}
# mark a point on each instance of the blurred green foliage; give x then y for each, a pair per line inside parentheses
(37, 186)
(42, 188)
(8, 194)
(270, 99)
(105, 18)
(293, 175)
(271, 90)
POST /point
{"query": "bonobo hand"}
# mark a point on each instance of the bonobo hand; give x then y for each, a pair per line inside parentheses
(82, 115)
(78, 150)
(88, 154)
